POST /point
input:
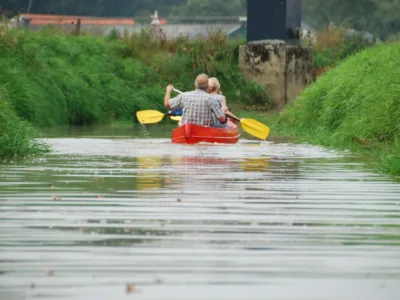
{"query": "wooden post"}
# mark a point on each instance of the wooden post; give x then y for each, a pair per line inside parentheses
(77, 29)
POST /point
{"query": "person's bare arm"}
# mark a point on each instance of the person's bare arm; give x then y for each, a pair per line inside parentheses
(167, 96)
(224, 106)
(225, 109)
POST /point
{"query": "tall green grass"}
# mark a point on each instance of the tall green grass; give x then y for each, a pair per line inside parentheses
(355, 106)
(16, 136)
(55, 78)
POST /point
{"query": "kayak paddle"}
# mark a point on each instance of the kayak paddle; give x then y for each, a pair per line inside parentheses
(154, 116)
(176, 118)
(150, 116)
(252, 127)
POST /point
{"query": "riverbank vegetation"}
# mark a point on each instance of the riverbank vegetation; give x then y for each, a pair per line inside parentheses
(17, 137)
(55, 78)
(354, 106)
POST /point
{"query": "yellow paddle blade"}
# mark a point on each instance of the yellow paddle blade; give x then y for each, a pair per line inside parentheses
(255, 128)
(149, 116)
(176, 118)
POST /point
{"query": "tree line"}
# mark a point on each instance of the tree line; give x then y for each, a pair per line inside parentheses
(101, 8)
(381, 17)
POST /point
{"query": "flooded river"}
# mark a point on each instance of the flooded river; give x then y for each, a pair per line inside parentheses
(113, 213)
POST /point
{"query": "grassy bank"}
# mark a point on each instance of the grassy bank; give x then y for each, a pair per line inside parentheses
(354, 106)
(16, 135)
(55, 78)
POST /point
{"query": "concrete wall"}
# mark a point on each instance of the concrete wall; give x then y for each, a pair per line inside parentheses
(299, 70)
(281, 69)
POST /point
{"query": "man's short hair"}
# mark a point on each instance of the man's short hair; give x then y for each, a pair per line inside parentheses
(202, 85)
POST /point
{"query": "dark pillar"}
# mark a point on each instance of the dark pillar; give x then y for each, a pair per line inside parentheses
(273, 19)
(293, 18)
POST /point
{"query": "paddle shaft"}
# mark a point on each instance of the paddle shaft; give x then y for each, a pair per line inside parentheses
(178, 91)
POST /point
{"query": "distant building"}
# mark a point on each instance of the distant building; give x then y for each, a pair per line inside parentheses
(106, 25)
(45, 19)
(233, 27)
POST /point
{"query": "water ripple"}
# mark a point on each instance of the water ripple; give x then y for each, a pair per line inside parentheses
(114, 218)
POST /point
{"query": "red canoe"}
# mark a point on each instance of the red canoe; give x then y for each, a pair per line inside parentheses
(193, 134)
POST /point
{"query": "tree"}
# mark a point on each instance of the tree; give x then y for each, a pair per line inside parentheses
(377, 16)
(108, 8)
(387, 17)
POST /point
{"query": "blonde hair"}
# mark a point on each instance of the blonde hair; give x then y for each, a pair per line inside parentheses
(214, 85)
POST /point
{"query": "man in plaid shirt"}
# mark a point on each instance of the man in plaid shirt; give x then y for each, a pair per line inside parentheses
(198, 106)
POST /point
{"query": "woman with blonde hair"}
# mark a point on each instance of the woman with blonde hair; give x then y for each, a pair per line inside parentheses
(214, 88)
(215, 91)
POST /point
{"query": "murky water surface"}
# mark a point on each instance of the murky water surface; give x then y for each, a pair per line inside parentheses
(108, 215)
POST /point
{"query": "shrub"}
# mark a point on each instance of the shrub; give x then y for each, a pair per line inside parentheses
(335, 44)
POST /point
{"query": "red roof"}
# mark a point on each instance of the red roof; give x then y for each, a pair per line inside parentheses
(37, 19)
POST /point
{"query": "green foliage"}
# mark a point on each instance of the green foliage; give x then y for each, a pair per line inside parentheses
(324, 58)
(128, 8)
(355, 105)
(56, 79)
(332, 46)
(179, 61)
(395, 37)
(106, 8)
(351, 46)
(16, 136)
(113, 35)
(380, 17)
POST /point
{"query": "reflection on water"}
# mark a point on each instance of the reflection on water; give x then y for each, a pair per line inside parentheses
(151, 175)
(256, 220)
(114, 131)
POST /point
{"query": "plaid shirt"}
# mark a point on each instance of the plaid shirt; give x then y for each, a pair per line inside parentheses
(198, 108)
